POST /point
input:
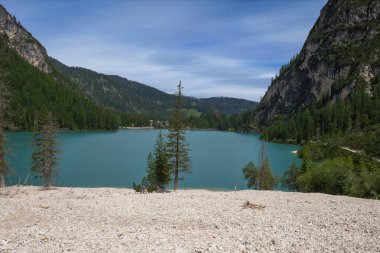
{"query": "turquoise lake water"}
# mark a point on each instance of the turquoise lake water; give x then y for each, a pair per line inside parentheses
(117, 159)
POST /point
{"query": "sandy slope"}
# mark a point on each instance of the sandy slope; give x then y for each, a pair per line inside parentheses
(118, 220)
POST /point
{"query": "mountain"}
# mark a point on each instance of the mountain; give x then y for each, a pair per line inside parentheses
(23, 41)
(116, 92)
(129, 96)
(341, 54)
(108, 90)
(329, 93)
(36, 87)
(327, 98)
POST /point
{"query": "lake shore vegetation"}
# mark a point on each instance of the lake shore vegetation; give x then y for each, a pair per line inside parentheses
(177, 146)
(44, 157)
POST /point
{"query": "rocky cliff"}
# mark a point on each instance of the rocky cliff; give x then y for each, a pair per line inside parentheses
(343, 45)
(23, 42)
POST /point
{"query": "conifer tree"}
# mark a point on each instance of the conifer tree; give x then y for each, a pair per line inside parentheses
(251, 174)
(306, 158)
(4, 96)
(44, 157)
(178, 150)
(289, 179)
(150, 169)
(266, 178)
(261, 178)
(158, 165)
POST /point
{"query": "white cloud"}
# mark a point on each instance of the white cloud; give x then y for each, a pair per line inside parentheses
(216, 90)
(232, 50)
(221, 75)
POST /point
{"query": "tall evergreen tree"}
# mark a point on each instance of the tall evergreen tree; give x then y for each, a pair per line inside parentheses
(44, 157)
(251, 174)
(289, 179)
(178, 150)
(267, 180)
(261, 178)
(158, 165)
(149, 181)
(4, 96)
(150, 169)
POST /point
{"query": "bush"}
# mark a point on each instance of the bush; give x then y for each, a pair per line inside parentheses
(343, 176)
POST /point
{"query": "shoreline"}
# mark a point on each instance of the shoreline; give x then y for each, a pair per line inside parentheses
(119, 220)
(171, 191)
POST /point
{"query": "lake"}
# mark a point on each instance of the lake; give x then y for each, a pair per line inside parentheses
(117, 159)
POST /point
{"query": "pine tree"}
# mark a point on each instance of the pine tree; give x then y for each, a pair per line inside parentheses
(4, 97)
(306, 158)
(178, 150)
(44, 157)
(261, 178)
(267, 180)
(158, 166)
(289, 179)
(150, 170)
(251, 174)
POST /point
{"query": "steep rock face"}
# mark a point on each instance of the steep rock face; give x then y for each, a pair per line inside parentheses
(23, 42)
(344, 44)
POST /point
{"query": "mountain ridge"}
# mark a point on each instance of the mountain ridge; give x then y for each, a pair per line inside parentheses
(23, 41)
(109, 91)
(343, 45)
(123, 94)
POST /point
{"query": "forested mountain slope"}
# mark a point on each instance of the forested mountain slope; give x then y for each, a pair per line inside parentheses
(78, 96)
(34, 91)
(129, 96)
(333, 84)
(35, 86)
(342, 47)
(327, 98)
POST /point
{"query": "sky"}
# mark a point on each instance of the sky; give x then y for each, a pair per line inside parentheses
(217, 48)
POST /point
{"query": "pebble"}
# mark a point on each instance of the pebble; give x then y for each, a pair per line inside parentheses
(118, 220)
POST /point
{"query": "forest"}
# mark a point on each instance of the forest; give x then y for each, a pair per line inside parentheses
(33, 91)
(354, 121)
(341, 141)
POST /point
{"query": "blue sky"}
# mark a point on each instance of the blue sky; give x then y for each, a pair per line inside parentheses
(217, 48)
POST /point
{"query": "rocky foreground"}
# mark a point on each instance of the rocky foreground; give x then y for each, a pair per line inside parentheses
(119, 220)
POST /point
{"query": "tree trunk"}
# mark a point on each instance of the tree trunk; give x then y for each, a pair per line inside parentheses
(176, 169)
(43, 182)
(176, 174)
(2, 181)
(176, 179)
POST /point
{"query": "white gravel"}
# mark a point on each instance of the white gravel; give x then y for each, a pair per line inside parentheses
(118, 220)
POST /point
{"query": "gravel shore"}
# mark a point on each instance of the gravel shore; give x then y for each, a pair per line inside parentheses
(119, 220)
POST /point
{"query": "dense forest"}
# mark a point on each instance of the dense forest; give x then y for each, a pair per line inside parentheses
(334, 169)
(34, 91)
(125, 95)
(340, 138)
(215, 120)
(327, 98)
(355, 121)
